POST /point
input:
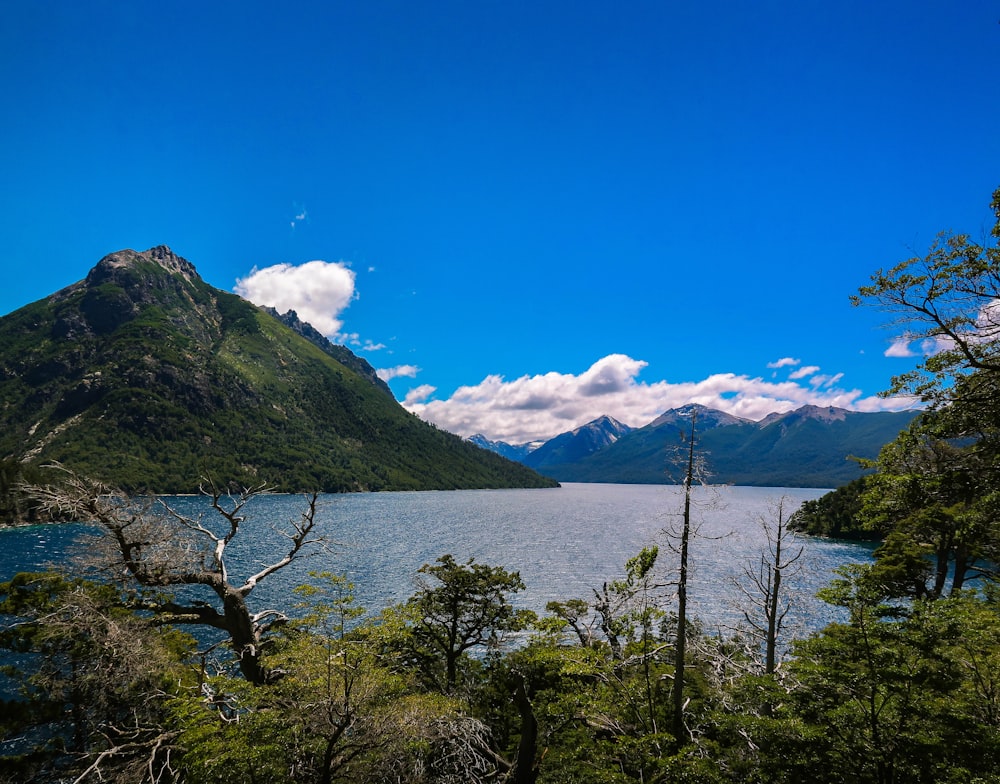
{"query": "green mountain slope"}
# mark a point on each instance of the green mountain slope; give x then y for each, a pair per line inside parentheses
(810, 447)
(146, 377)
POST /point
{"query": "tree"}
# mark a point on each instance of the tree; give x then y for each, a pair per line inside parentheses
(344, 684)
(157, 548)
(461, 607)
(899, 694)
(15, 505)
(946, 300)
(626, 608)
(684, 538)
(763, 586)
(934, 495)
(933, 501)
(93, 683)
(573, 613)
(338, 714)
(835, 514)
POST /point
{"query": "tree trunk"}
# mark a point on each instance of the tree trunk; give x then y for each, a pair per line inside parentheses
(243, 638)
(770, 662)
(525, 771)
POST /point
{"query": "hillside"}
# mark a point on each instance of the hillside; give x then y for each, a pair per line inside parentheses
(146, 377)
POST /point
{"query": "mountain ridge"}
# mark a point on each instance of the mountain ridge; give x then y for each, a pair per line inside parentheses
(811, 446)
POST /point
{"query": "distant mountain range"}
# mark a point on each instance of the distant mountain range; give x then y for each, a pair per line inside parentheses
(510, 451)
(145, 377)
(808, 447)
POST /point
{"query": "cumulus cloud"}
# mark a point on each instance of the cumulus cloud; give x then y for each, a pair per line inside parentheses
(419, 394)
(542, 406)
(400, 371)
(318, 291)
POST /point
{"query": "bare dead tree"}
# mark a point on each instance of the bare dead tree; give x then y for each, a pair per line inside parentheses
(680, 647)
(152, 545)
(762, 583)
(678, 539)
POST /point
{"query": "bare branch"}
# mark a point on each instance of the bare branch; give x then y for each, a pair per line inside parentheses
(300, 538)
(157, 546)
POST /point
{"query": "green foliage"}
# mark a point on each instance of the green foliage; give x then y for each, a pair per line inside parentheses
(934, 499)
(894, 693)
(92, 683)
(947, 297)
(898, 697)
(836, 515)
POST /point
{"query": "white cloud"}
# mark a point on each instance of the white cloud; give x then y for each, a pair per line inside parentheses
(419, 394)
(900, 348)
(783, 362)
(545, 405)
(317, 291)
(300, 216)
(928, 347)
(802, 372)
(400, 371)
(370, 346)
(825, 381)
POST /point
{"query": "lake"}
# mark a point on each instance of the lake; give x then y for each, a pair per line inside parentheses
(564, 542)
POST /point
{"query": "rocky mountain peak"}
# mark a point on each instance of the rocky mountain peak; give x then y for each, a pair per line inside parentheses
(606, 426)
(825, 414)
(111, 266)
(707, 417)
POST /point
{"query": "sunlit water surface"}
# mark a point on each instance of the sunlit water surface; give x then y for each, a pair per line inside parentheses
(564, 542)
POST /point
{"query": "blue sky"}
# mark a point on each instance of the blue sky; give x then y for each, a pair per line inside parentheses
(526, 214)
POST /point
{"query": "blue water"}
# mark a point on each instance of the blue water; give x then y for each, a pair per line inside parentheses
(564, 542)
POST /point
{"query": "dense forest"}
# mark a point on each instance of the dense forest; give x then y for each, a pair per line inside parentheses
(457, 684)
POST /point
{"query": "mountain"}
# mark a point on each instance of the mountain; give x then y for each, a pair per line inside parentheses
(707, 418)
(144, 376)
(808, 447)
(510, 451)
(576, 445)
